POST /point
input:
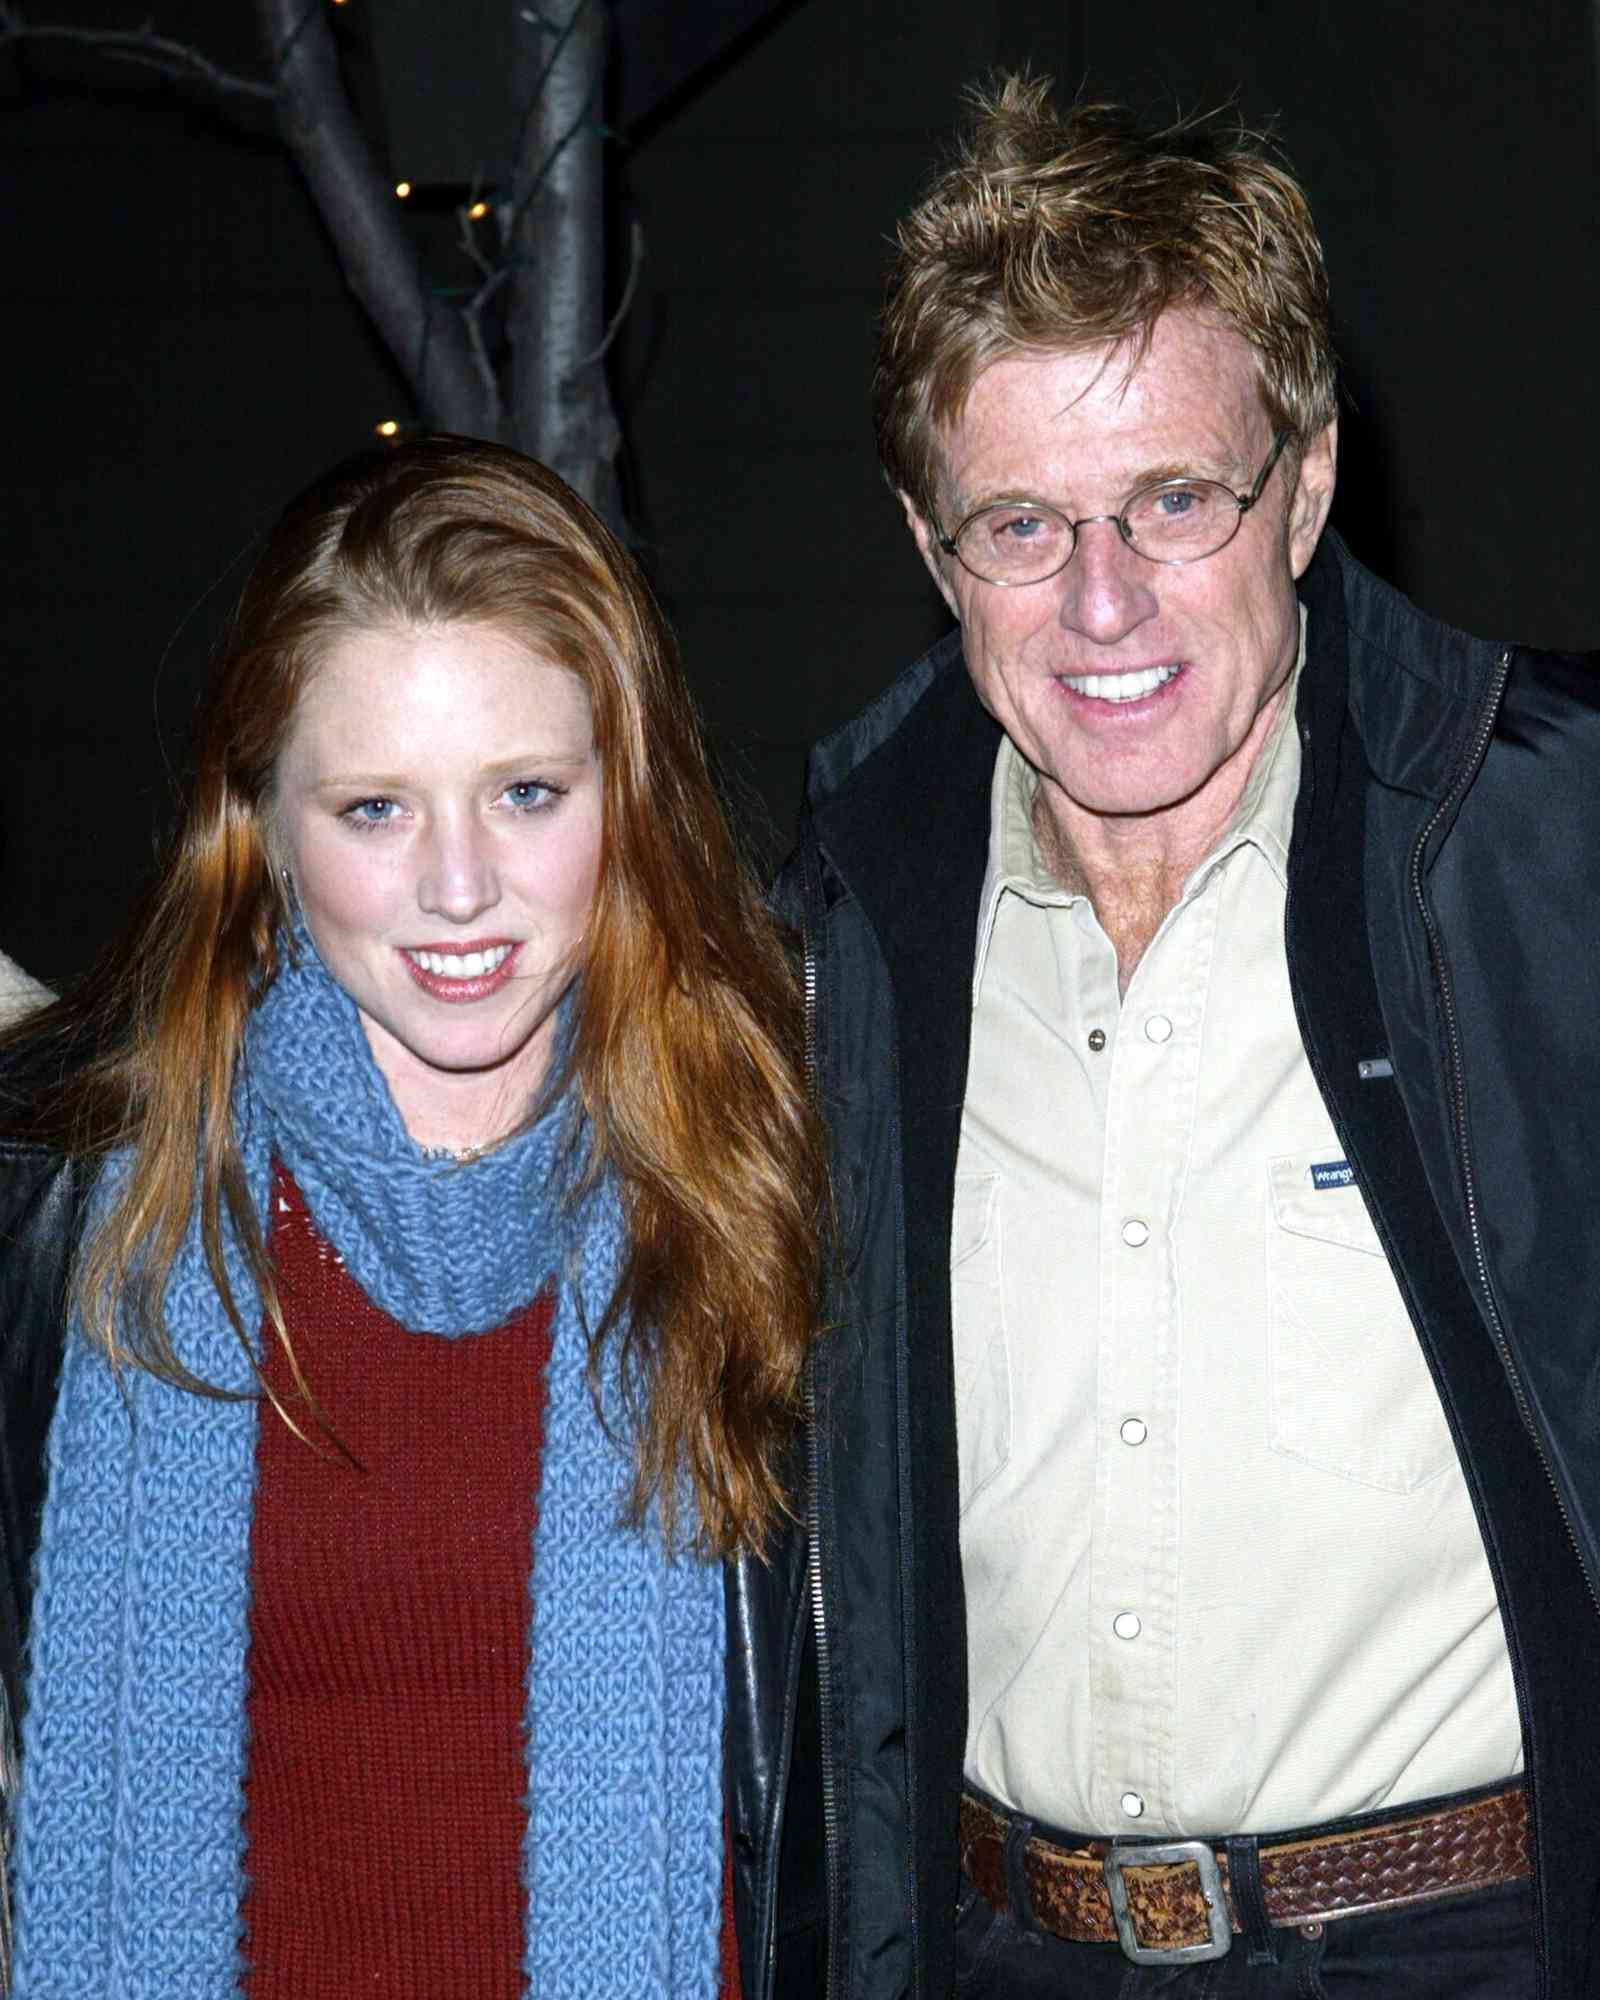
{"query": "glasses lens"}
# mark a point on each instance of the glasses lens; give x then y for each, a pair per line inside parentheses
(1182, 519)
(1015, 544)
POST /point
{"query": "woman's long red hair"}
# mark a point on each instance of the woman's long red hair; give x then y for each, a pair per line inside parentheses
(687, 1052)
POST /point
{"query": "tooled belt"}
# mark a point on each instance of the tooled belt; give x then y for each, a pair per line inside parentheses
(1166, 1902)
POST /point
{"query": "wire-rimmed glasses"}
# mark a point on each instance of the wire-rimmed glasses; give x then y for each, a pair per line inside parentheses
(1012, 542)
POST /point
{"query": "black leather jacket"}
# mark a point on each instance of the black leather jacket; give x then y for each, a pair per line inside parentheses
(1443, 880)
(41, 1202)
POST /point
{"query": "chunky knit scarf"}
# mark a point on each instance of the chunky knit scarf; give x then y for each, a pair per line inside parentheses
(130, 1844)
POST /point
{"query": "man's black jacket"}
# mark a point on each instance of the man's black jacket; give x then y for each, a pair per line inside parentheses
(1443, 883)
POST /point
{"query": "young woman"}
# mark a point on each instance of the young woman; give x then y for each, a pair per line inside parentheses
(438, 1303)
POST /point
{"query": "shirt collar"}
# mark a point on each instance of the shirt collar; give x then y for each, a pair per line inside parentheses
(1264, 816)
(1263, 819)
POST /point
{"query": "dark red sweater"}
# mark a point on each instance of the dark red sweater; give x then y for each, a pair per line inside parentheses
(385, 1789)
(388, 1664)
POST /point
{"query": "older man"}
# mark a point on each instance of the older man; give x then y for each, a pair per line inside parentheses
(1205, 1473)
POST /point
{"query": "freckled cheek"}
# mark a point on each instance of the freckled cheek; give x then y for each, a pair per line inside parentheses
(576, 895)
(344, 892)
(1024, 644)
(558, 887)
(1013, 680)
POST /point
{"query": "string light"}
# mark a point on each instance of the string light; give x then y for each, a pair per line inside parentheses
(402, 189)
(478, 211)
(388, 428)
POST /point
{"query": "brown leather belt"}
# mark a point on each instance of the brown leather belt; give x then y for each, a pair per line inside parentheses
(1169, 1901)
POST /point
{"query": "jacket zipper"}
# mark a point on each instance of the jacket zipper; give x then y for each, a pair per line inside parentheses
(833, 1929)
(1458, 1102)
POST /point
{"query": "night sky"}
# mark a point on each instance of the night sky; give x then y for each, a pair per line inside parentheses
(183, 356)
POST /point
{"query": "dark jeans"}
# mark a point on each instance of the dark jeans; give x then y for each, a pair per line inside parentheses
(1476, 1946)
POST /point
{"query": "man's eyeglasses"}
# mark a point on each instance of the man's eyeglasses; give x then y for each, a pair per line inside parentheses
(1013, 542)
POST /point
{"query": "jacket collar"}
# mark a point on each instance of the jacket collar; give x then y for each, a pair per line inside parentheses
(1415, 686)
(901, 805)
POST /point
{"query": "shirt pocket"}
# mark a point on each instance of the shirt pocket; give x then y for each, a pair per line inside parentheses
(983, 1365)
(1350, 1391)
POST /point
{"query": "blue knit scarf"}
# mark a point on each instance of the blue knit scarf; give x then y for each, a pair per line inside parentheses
(130, 1854)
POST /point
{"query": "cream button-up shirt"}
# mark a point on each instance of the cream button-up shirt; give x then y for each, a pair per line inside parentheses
(1222, 1572)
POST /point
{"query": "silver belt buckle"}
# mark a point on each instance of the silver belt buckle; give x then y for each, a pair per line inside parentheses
(1139, 1856)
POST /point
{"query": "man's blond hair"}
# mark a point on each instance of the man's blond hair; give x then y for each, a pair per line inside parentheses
(1054, 234)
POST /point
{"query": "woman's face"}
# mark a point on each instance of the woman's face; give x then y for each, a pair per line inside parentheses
(438, 803)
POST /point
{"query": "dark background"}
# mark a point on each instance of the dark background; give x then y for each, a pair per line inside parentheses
(182, 356)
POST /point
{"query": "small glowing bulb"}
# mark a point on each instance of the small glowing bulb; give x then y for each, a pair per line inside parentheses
(388, 428)
(402, 189)
(478, 211)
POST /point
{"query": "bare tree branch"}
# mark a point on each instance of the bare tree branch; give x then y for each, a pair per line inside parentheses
(141, 46)
(469, 242)
(562, 409)
(427, 338)
(472, 313)
(549, 266)
(635, 266)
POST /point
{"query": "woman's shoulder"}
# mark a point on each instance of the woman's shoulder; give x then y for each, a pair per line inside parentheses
(29, 1168)
(43, 1193)
(42, 1196)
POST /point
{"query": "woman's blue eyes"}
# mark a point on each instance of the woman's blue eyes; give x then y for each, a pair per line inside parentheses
(527, 795)
(370, 812)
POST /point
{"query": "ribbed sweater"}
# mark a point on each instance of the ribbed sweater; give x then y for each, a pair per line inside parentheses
(388, 1652)
(388, 1658)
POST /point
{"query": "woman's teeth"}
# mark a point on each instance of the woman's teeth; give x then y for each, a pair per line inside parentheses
(1119, 687)
(461, 965)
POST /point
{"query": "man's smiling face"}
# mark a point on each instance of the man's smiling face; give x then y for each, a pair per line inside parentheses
(1132, 687)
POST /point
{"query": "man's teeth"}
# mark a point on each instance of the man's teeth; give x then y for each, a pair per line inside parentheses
(1119, 687)
(461, 965)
